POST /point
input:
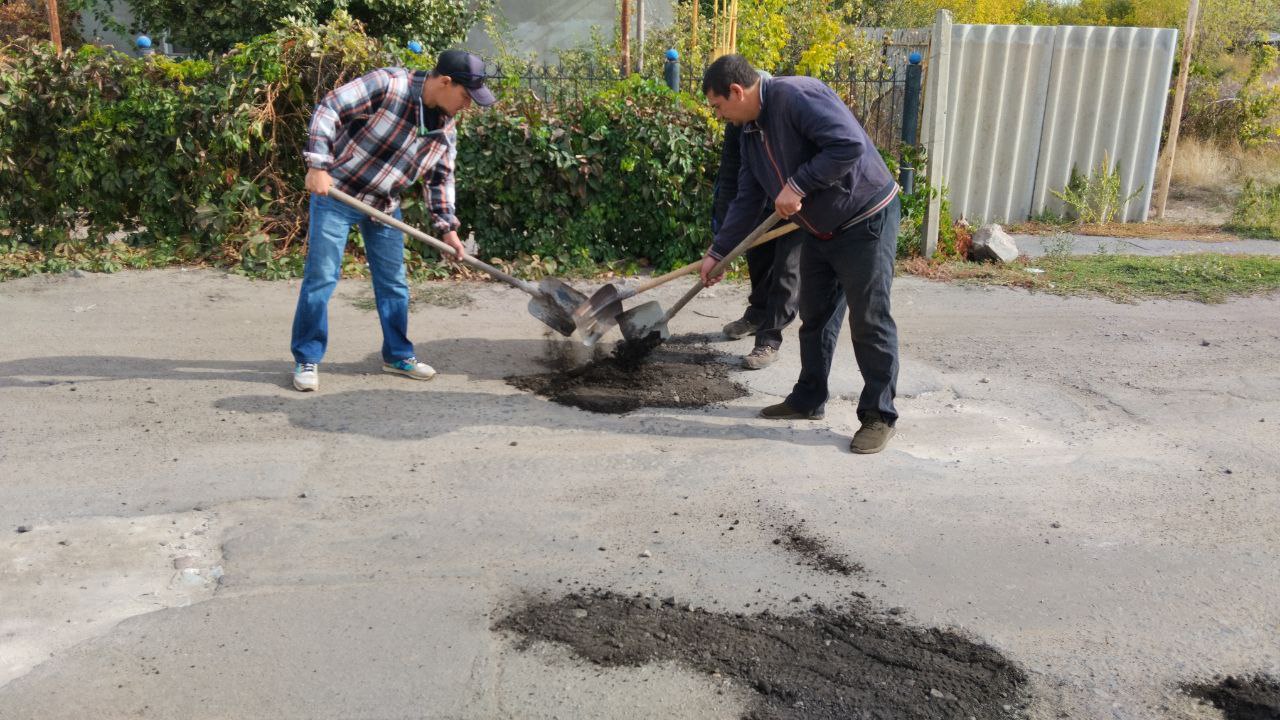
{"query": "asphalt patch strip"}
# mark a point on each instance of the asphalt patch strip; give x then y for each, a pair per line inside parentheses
(844, 664)
(680, 374)
(1241, 698)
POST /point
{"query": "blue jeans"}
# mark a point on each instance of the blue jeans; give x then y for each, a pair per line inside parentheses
(854, 271)
(330, 223)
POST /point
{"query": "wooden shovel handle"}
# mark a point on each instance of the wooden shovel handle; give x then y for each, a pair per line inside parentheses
(474, 262)
(652, 283)
(719, 268)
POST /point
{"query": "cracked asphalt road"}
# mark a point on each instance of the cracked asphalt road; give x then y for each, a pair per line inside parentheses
(1089, 487)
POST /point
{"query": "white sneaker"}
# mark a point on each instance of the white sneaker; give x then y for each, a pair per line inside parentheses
(306, 377)
(410, 368)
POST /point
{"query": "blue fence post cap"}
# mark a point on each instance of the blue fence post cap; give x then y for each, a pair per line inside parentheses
(415, 47)
(672, 54)
(143, 42)
(914, 58)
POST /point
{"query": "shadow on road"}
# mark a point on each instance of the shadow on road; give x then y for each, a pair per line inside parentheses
(45, 371)
(423, 414)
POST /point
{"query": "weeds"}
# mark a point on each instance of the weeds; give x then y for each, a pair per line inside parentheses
(1095, 199)
(1207, 278)
(1257, 211)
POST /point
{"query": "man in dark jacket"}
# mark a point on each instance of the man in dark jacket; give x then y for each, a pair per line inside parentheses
(803, 149)
(773, 268)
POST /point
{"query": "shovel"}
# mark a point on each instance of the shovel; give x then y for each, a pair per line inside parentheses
(552, 301)
(646, 325)
(600, 313)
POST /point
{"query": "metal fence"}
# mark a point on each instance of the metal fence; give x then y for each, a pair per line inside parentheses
(876, 98)
(876, 94)
(558, 83)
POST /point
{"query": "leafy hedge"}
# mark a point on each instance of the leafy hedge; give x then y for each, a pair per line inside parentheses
(202, 159)
(206, 155)
(219, 24)
(626, 174)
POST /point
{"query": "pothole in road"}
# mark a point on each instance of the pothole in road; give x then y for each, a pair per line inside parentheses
(1241, 698)
(682, 373)
(822, 665)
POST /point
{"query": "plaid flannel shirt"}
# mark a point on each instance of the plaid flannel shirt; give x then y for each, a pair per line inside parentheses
(365, 134)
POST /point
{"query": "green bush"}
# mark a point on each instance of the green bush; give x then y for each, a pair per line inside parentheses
(204, 157)
(219, 24)
(625, 174)
(1234, 102)
(204, 154)
(1257, 211)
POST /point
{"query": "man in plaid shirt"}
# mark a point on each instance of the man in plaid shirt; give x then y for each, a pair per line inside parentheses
(372, 138)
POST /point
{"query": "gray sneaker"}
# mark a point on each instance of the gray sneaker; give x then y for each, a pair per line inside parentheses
(873, 436)
(740, 328)
(762, 357)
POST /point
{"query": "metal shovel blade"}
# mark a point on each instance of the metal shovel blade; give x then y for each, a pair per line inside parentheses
(554, 305)
(600, 301)
(640, 323)
(593, 327)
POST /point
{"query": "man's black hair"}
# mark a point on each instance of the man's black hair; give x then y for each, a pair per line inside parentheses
(728, 70)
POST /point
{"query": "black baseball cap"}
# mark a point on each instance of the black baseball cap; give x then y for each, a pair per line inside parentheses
(466, 69)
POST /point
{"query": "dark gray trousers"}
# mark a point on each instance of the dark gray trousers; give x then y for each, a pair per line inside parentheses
(852, 270)
(775, 287)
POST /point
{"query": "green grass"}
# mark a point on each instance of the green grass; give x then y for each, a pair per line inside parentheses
(1207, 278)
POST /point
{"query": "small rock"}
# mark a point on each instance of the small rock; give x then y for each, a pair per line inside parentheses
(601, 548)
(579, 613)
(991, 242)
(985, 380)
(935, 692)
(1055, 524)
(896, 610)
(23, 529)
(78, 273)
(653, 603)
(645, 553)
(1204, 343)
(513, 443)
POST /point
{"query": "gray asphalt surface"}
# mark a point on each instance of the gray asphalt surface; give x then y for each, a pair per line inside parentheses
(1088, 486)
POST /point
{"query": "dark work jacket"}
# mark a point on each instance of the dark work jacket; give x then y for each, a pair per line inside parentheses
(807, 137)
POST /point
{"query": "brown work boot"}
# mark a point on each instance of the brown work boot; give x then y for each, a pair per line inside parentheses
(740, 328)
(873, 436)
(783, 411)
(760, 358)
